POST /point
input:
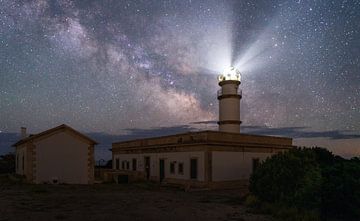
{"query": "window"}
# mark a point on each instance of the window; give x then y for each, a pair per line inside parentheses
(17, 162)
(127, 165)
(134, 164)
(181, 168)
(117, 164)
(256, 163)
(172, 167)
(193, 168)
(123, 165)
(23, 161)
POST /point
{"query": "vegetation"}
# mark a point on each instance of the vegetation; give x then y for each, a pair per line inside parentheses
(109, 164)
(7, 163)
(307, 184)
(104, 164)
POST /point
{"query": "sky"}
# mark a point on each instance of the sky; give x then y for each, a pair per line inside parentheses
(118, 69)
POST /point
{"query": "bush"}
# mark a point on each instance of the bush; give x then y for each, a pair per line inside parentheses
(341, 190)
(307, 184)
(7, 163)
(292, 177)
(252, 201)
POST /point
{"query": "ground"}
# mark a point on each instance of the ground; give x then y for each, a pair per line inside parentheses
(139, 201)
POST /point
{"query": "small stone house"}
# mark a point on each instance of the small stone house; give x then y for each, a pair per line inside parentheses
(57, 155)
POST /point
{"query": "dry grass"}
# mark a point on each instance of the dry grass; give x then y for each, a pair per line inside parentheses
(140, 201)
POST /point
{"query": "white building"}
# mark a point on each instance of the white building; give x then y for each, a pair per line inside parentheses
(207, 158)
(212, 159)
(57, 155)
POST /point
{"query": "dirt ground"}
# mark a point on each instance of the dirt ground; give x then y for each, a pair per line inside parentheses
(140, 201)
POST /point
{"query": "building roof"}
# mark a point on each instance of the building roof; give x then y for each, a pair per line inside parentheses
(208, 138)
(62, 127)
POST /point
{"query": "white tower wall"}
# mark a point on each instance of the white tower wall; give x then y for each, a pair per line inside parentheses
(229, 106)
(229, 109)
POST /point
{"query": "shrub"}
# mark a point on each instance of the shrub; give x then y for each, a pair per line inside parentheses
(293, 177)
(252, 201)
(341, 190)
(7, 163)
(307, 184)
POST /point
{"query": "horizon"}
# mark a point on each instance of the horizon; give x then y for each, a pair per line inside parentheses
(302, 137)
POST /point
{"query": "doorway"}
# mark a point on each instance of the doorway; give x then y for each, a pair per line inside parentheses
(193, 168)
(147, 168)
(162, 169)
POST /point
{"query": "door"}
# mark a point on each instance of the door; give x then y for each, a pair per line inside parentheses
(134, 164)
(193, 169)
(162, 169)
(147, 167)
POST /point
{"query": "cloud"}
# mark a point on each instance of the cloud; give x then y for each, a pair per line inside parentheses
(293, 132)
(301, 132)
(138, 133)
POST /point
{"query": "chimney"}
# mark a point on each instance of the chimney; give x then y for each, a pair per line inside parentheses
(23, 132)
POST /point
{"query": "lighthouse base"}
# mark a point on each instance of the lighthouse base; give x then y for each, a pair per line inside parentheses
(232, 126)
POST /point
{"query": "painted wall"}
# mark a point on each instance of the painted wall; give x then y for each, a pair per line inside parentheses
(61, 156)
(228, 166)
(177, 157)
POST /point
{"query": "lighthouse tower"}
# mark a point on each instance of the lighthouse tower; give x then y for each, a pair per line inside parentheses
(229, 100)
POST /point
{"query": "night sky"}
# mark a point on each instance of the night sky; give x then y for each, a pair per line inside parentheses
(131, 68)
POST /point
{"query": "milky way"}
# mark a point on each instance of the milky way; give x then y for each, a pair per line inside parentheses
(105, 66)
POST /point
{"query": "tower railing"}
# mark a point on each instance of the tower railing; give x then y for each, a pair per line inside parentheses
(238, 92)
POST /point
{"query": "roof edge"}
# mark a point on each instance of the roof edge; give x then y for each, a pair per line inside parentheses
(199, 132)
(51, 130)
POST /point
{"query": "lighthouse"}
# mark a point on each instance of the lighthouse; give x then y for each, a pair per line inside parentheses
(229, 100)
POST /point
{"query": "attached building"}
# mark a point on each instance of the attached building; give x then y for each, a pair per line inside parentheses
(57, 155)
(211, 159)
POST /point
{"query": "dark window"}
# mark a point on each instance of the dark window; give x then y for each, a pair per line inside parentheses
(23, 163)
(193, 168)
(162, 169)
(147, 167)
(181, 168)
(256, 163)
(117, 164)
(17, 161)
(123, 165)
(172, 167)
(127, 165)
(134, 164)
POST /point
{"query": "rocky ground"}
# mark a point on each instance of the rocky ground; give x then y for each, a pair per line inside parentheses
(140, 201)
